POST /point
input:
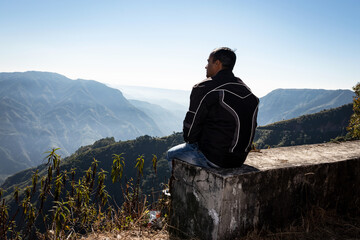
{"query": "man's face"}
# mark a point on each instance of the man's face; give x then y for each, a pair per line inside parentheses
(212, 68)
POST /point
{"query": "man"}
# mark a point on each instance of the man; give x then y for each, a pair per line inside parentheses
(220, 124)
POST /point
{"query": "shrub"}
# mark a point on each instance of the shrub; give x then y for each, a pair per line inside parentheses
(354, 125)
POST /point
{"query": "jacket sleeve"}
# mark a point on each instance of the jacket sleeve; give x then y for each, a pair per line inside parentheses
(195, 116)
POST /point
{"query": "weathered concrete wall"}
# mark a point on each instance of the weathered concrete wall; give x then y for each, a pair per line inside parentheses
(271, 190)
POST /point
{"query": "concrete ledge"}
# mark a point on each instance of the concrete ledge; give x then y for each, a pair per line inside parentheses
(270, 191)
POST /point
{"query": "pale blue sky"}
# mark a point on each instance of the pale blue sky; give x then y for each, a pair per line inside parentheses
(280, 43)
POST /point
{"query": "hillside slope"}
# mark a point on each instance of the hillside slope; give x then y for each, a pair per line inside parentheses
(312, 128)
(103, 150)
(40, 110)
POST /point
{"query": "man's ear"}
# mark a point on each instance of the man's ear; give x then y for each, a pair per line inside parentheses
(218, 64)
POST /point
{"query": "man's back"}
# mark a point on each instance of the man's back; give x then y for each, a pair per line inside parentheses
(222, 119)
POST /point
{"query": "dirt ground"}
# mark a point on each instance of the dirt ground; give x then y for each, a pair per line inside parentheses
(130, 235)
(319, 225)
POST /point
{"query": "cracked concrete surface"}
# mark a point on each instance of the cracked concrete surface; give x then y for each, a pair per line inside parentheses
(303, 155)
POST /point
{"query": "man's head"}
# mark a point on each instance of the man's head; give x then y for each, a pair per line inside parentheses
(220, 58)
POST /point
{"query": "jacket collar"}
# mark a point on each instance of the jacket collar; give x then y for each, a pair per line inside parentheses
(223, 73)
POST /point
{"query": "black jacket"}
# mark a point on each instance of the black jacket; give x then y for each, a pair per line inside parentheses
(222, 119)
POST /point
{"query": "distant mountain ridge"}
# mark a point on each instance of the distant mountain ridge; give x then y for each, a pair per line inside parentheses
(168, 121)
(178, 99)
(175, 102)
(278, 105)
(40, 110)
(283, 104)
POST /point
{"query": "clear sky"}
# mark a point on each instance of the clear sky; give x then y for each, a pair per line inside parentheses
(280, 43)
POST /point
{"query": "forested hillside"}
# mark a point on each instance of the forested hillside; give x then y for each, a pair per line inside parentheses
(96, 183)
(312, 128)
(103, 150)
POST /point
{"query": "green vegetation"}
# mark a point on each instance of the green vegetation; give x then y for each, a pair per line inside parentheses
(103, 186)
(63, 206)
(103, 151)
(354, 125)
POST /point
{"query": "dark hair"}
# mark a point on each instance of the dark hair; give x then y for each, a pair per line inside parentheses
(226, 56)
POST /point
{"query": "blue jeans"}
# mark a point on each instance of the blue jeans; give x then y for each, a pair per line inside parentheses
(189, 153)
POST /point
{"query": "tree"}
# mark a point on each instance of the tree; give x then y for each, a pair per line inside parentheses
(354, 125)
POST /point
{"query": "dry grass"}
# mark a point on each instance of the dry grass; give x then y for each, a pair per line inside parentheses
(317, 225)
(130, 234)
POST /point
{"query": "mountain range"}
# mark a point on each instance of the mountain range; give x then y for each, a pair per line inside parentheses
(312, 128)
(42, 110)
(278, 105)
